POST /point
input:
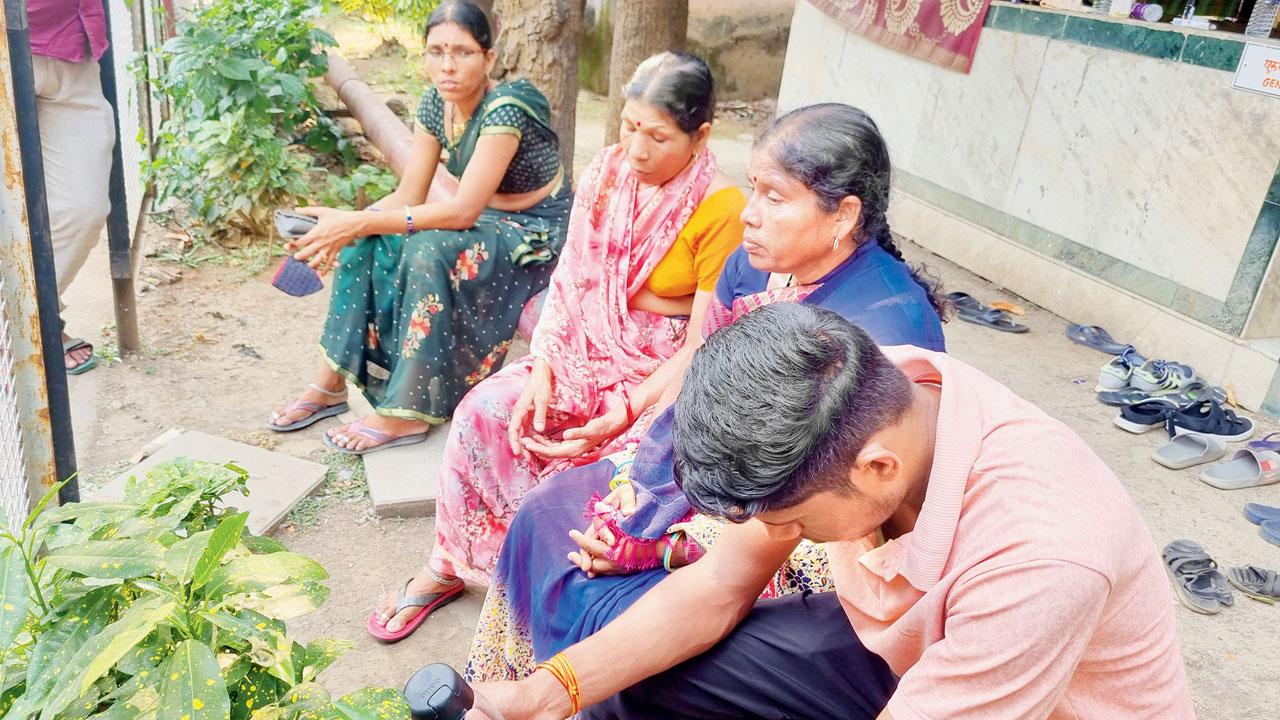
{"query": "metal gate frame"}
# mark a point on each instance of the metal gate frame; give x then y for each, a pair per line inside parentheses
(29, 292)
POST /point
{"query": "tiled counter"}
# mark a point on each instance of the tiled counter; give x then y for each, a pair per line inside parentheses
(1102, 168)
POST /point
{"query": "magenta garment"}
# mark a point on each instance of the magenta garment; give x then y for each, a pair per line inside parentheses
(62, 28)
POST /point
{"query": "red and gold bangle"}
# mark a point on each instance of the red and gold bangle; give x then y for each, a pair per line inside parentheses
(562, 671)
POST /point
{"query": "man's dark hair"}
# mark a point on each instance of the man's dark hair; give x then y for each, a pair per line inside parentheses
(776, 407)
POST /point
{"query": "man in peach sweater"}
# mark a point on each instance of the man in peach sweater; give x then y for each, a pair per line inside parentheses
(987, 564)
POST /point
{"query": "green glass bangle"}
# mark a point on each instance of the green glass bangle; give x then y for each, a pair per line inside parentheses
(671, 545)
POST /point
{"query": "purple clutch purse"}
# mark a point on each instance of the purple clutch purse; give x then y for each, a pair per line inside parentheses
(297, 278)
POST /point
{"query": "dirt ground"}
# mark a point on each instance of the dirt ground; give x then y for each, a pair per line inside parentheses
(221, 346)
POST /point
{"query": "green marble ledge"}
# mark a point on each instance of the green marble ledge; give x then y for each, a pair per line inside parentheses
(1156, 40)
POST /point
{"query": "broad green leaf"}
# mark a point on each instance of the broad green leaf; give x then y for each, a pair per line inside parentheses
(180, 559)
(82, 706)
(233, 68)
(43, 503)
(321, 653)
(140, 704)
(259, 572)
(223, 538)
(288, 656)
(81, 619)
(261, 544)
(110, 559)
(193, 688)
(102, 651)
(286, 601)
(15, 594)
(373, 704)
(13, 678)
(173, 518)
(256, 690)
(248, 633)
(64, 534)
(85, 511)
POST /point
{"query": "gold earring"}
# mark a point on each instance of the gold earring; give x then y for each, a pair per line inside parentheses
(835, 244)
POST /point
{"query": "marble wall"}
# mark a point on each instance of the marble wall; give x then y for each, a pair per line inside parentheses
(1145, 170)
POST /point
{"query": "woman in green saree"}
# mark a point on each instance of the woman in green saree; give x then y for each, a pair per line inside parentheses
(426, 296)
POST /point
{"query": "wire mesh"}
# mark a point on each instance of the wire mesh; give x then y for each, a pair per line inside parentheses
(126, 53)
(13, 468)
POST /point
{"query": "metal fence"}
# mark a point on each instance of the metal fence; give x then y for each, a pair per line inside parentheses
(30, 459)
(13, 467)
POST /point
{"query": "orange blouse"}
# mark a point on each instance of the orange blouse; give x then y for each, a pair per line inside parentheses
(698, 254)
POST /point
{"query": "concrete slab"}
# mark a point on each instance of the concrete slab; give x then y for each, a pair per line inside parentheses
(276, 481)
(403, 481)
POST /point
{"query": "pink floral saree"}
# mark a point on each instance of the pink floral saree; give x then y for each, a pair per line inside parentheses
(598, 349)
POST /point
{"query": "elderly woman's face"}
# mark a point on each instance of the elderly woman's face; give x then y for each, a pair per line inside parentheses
(458, 66)
(787, 230)
(657, 149)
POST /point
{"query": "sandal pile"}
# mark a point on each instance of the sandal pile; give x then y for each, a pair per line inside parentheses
(1203, 588)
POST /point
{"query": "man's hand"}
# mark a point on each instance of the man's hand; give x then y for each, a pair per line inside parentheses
(537, 697)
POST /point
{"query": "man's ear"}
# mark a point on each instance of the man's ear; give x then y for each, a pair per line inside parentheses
(875, 464)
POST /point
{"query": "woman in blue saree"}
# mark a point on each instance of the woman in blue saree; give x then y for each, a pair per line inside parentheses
(815, 233)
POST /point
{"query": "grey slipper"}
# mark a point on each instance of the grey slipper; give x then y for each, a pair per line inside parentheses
(1184, 451)
(1246, 469)
(1257, 583)
(383, 440)
(318, 413)
(1196, 579)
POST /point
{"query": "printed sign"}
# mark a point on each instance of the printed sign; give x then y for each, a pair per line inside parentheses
(1259, 69)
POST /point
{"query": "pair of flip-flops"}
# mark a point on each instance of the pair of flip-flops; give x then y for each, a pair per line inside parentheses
(1247, 468)
(426, 604)
(997, 315)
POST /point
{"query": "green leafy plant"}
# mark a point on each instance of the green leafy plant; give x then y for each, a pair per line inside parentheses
(162, 607)
(236, 76)
(412, 12)
(363, 185)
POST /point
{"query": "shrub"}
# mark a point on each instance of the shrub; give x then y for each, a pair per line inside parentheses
(163, 606)
(236, 77)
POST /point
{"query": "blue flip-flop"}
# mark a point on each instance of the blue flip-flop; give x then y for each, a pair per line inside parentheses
(1257, 513)
(1270, 442)
(1095, 337)
(1270, 531)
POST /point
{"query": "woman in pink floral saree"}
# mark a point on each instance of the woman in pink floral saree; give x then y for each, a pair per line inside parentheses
(610, 339)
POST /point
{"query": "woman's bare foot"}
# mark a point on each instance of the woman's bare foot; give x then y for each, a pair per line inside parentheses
(335, 388)
(345, 437)
(421, 584)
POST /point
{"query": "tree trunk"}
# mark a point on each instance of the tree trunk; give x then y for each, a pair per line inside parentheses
(640, 29)
(538, 40)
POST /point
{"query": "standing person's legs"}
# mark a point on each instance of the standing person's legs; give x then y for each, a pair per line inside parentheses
(792, 657)
(77, 133)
